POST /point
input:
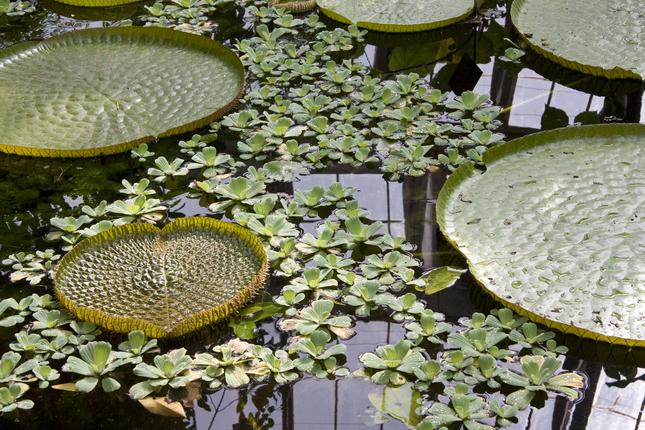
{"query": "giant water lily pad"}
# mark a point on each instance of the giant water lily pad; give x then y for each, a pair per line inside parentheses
(193, 272)
(97, 3)
(103, 91)
(398, 16)
(108, 12)
(597, 37)
(555, 228)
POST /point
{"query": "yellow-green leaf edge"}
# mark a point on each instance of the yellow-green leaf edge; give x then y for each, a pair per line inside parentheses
(395, 28)
(296, 6)
(195, 322)
(467, 171)
(201, 43)
(615, 73)
(97, 3)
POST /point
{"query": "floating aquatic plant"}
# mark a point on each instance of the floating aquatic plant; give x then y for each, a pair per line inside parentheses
(532, 245)
(590, 36)
(397, 16)
(297, 6)
(96, 362)
(16, 8)
(104, 108)
(165, 282)
(315, 111)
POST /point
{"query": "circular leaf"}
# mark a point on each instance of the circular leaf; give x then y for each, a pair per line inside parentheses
(297, 6)
(97, 3)
(106, 13)
(597, 37)
(397, 16)
(102, 91)
(193, 272)
(555, 228)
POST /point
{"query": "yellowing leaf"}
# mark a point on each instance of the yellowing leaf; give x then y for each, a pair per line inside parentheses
(70, 386)
(159, 406)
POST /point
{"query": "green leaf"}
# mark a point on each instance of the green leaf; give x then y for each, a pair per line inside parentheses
(397, 15)
(96, 354)
(141, 390)
(521, 399)
(441, 278)
(513, 225)
(244, 326)
(86, 385)
(230, 268)
(76, 365)
(110, 384)
(604, 43)
(117, 103)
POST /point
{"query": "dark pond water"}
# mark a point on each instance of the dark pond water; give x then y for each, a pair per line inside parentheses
(537, 94)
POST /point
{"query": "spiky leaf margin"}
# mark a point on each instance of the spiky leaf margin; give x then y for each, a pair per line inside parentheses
(296, 6)
(199, 320)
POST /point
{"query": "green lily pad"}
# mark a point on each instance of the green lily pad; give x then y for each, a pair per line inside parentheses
(597, 37)
(397, 16)
(596, 85)
(192, 273)
(555, 228)
(107, 13)
(97, 3)
(297, 6)
(103, 91)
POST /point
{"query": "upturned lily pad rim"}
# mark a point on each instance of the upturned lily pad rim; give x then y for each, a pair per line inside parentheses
(577, 80)
(201, 319)
(395, 28)
(96, 3)
(590, 69)
(90, 13)
(295, 6)
(468, 170)
(191, 41)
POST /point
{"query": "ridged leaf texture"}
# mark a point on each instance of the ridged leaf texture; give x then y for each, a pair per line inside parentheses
(96, 3)
(297, 6)
(597, 37)
(102, 91)
(555, 228)
(398, 16)
(168, 282)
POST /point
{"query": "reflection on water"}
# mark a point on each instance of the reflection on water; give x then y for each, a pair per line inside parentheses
(460, 58)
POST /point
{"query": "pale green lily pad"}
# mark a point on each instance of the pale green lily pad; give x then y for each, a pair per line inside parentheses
(97, 3)
(102, 91)
(297, 6)
(398, 16)
(597, 37)
(555, 228)
(109, 12)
